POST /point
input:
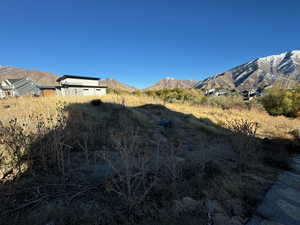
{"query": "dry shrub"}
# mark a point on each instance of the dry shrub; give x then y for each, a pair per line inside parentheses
(39, 148)
(48, 149)
(15, 141)
(142, 180)
(243, 127)
(244, 141)
(134, 175)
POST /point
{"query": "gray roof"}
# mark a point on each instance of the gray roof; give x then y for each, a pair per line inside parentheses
(45, 87)
(12, 81)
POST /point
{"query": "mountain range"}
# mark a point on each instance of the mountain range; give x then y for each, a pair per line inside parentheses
(282, 69)
(113, 83)
(171, 83)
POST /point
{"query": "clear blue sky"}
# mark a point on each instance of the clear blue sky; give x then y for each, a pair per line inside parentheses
(140, 42)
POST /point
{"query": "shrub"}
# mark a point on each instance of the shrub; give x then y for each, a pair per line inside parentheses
(243, 127)
(278, 101)
(40, 148)
(132, 181)
(244, 141)
(178, 95)
(16, 141)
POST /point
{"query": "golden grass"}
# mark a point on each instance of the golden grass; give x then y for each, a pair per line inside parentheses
(269, 126)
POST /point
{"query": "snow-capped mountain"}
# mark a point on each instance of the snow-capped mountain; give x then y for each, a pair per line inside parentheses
(282, 69)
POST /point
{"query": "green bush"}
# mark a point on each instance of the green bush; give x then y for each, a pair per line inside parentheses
(178, 95)
(137, 93)
(278, 101)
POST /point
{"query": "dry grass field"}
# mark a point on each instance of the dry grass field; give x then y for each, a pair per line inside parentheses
(136, 160)
(270, 126)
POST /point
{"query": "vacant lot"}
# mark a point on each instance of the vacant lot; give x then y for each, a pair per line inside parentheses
(135, 160)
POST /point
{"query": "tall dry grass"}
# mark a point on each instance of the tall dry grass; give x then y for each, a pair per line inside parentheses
(270, 126)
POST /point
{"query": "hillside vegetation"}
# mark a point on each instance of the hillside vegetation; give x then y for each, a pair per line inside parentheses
(137, 159)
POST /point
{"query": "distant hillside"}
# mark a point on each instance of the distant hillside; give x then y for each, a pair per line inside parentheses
(190, 83)
(112, 83)
(171, 83)
(42, 78)
(283, 70)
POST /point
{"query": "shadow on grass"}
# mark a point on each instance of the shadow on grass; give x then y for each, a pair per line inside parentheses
(65, 179)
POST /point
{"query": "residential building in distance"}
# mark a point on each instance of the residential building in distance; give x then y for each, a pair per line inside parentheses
(71, 85)
(19, 87)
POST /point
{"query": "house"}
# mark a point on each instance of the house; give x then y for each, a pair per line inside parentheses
(210, 91)
(217, 92)
(70, 85)
(222, 92)
(19, 87)
(47, 90)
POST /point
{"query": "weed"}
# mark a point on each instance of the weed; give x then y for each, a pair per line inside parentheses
(133, 180)
(243, 127)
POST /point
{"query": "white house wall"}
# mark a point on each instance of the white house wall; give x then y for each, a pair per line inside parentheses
(74, 81)
(82, 91)
(2, 93)
(100, 91)
(58, 92)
